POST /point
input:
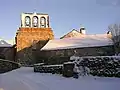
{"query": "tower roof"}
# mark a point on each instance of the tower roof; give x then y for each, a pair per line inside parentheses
(36, 13)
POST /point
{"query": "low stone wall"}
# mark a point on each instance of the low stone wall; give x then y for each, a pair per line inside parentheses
(48, 68)
(105, 66)
(108, 66)
(6, 65)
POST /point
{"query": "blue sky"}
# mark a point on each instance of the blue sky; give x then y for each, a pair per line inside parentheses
(65, 15)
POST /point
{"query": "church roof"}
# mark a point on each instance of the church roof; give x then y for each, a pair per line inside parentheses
(79, 42)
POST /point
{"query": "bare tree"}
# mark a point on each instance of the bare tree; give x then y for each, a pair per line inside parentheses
(115, 31)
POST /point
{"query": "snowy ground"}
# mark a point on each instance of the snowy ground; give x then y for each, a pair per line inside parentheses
(25, 79)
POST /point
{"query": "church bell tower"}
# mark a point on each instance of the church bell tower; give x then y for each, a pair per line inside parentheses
(33, 34)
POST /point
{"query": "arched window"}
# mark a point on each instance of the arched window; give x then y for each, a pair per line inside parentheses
(48, 21)
(42, 22)
(27, 21)
(35, 21)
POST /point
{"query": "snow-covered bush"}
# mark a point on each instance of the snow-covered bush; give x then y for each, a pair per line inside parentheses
(82, 70)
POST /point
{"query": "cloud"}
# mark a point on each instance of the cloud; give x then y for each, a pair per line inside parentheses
(108, 2)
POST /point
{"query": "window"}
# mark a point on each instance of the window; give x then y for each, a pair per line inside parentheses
(35, 21)
(42, 22)
(27, 21)
(48, 21)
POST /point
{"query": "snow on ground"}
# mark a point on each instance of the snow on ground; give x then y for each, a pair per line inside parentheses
(25, 79)
(78, 42)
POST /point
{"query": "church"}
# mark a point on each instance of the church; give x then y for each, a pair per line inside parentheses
(34, 42)
(33, 34)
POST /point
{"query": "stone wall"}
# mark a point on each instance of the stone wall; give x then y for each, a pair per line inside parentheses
(28, 39)
(59, 56)
(26, 36)
(7, 53)
(105, 66)
(108, 66)
(6, 65)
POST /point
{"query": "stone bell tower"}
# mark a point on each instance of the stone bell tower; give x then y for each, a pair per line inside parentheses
(33, 34)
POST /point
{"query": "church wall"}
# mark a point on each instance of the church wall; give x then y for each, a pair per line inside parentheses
(26, 36)
(10, 54)
(7, 53)
(31, 38)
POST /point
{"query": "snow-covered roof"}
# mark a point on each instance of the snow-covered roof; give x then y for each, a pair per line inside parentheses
(11, 41)
(4, 43)
(79, 42)
(73, 33)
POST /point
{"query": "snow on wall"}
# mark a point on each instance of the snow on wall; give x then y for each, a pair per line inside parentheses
(78, 42)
